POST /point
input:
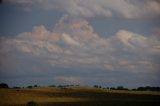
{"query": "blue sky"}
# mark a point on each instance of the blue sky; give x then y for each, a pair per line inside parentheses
(75, 42)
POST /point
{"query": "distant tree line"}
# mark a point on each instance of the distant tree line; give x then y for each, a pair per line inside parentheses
(147, 88)
(4, 85)
(111, 88)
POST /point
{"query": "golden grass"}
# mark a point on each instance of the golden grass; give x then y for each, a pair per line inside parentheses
(51, 95)
(39, 95)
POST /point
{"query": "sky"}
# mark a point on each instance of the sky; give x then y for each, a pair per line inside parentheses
(86, 42)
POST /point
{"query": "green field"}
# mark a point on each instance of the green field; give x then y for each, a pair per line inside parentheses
(77, 96)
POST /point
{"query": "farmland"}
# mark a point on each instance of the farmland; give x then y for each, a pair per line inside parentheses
(77, 96)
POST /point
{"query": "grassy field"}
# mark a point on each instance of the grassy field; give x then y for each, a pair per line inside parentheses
(77, 96)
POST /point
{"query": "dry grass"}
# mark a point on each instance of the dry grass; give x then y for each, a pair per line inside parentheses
(39, 95)
(43, 95)
(137, 92)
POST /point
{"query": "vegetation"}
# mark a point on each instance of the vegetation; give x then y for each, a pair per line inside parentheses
(77, 96)
(3, 85)
(35, 85)
(30, 86)
(148, 88)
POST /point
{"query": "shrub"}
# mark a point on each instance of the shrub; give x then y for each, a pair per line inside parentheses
(31, 103)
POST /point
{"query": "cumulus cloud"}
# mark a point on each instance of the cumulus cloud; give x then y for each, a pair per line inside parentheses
(69, 40)
(91, 8)
(73, 43)
(73, 53)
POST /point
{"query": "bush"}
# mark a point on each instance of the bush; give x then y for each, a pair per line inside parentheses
(31, 103)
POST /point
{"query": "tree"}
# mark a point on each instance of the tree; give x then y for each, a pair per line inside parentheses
(35, 85)
(96, 86)
(3, 85)
(30, 86)
(148, 88)
(112, 88)
(100, 87)
(120, 88)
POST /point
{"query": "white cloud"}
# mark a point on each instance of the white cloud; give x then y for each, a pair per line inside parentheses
(124, 37)
(69, 40)
(91, 8)
(74, 43)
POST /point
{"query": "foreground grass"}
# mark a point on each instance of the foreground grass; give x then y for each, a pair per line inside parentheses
(40, 95)
(77, 96)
